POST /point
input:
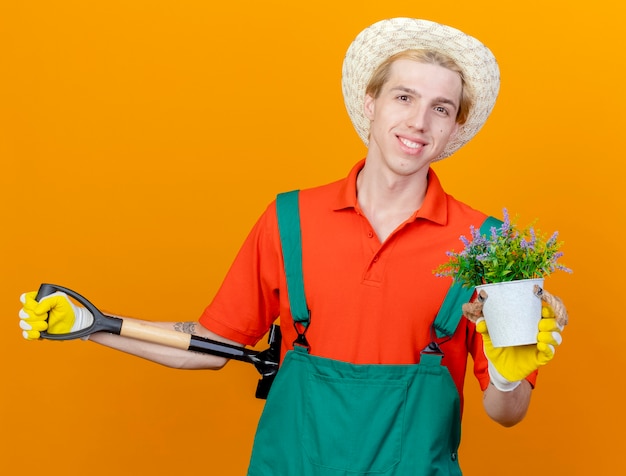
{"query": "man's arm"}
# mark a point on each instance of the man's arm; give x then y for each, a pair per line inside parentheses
(507, 408)
(164, 355)
(57, 314)
(507, 398)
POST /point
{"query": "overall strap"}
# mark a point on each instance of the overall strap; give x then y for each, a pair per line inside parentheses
(450, 314)
(288, 214)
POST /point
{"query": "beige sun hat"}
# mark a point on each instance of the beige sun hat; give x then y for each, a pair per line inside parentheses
(387, 37)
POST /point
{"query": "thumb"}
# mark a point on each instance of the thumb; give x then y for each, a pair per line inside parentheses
(481, 326)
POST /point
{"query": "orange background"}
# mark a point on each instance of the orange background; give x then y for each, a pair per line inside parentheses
(140, 140)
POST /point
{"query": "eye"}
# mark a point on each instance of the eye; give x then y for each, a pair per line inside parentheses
(441, 110)
(403, 98)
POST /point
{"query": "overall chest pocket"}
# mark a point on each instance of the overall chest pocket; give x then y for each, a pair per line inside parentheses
(354, 425)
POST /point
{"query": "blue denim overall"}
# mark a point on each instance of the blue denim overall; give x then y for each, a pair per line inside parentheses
(325, 417)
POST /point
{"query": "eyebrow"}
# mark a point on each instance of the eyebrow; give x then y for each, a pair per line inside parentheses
(438, 100)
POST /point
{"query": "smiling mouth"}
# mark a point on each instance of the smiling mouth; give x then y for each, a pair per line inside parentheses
(410, 144)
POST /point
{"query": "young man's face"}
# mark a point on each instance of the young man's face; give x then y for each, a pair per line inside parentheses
(413, 117)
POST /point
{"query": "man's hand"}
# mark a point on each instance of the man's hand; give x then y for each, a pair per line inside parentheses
(509, 365)
(55, 313)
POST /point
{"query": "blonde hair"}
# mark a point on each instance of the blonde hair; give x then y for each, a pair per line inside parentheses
(381, 75)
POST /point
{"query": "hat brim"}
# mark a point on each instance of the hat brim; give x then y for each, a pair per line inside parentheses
(385, 38)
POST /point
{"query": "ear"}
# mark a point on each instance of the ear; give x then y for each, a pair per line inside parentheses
(369, 106)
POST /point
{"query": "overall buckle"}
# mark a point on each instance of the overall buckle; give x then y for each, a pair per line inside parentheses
(301, 341)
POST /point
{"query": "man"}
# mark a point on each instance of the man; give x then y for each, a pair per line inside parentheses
(371, 379)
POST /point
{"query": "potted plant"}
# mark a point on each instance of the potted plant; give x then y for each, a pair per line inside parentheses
(507, 263)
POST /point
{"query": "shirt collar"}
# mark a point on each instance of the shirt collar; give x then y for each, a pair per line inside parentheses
(434, 207)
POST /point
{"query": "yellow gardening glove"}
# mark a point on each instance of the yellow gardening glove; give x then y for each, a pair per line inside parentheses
(54, 313)
(509, 365)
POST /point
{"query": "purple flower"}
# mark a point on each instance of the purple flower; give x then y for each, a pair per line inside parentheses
(494, 233)
(506, 222)
(504, 254)
(529, 245)
(482, 257)
(552, 239)
(560, 267)
(533, 239)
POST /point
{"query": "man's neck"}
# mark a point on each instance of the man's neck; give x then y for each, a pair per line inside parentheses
(388, 200)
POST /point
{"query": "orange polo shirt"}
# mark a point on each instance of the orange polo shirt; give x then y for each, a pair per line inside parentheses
(370, 302)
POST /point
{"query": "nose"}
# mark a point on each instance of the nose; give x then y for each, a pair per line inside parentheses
(417, 117)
